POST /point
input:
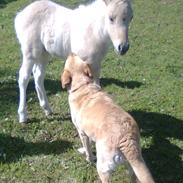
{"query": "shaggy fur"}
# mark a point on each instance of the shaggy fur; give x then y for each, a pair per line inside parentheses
(45, 28)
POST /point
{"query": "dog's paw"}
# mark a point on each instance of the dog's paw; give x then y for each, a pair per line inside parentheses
(82, 150)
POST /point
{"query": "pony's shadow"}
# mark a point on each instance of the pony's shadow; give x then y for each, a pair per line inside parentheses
(52, 117)
(51, 86)
(54, 86)
(162, 156)
(13, 148)
(9, 91)
(123, 84)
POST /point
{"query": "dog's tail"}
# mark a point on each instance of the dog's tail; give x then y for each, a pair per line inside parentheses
(132, 153)
(141, 171)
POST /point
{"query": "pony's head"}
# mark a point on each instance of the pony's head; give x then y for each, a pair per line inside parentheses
(118, 16)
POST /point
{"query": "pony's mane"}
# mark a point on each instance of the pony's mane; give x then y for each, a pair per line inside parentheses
(92, 6)
(91, 10)
(98, 4)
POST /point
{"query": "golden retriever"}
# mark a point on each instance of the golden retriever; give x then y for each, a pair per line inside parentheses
(97, 118)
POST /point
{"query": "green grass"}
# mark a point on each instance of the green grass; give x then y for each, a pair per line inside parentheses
(147, 82)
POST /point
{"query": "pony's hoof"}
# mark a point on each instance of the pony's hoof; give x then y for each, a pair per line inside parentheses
(48, 112)
(91, 159)
(82, 150)
(22, 118)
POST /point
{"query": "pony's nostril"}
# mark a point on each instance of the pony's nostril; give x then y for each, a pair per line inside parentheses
(123, 48)
(120, 48)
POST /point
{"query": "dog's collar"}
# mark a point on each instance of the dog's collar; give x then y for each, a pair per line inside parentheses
(75, 89)
(84, 84)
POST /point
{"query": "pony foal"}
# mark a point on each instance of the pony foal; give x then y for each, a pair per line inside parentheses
(45, 28)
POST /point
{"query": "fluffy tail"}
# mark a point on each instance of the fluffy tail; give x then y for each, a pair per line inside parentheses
(141, 171)
(131, 150)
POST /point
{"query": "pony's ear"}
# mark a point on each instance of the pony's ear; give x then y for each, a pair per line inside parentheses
(106, 2)
(88, 71)
(66, 78)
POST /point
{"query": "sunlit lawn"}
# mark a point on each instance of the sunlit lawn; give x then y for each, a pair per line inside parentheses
(147, 82)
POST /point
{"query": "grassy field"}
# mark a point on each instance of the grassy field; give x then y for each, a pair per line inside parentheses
(147, 82)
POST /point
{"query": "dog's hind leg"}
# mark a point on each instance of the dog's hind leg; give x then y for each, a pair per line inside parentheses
(105, 160)
(104, 176)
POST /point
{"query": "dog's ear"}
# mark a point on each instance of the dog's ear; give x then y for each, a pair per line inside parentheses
(66, 78)
(88, 71)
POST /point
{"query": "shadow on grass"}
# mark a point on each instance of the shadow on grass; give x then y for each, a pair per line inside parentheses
(3, 3)
(12, 148)
(127, 84)
(51, 86)
(8, 96)
(9, 91)
(52, 117)
(163, 156)
(54, 86)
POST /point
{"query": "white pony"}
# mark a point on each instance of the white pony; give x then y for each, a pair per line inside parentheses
(44, 28)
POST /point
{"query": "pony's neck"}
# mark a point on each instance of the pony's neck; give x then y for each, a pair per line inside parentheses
(94, 13)
(98, 11)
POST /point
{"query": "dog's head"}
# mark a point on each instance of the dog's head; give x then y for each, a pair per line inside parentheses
(76, 73)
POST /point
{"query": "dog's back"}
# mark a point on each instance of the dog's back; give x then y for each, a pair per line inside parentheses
(115, 132)
(99, 110)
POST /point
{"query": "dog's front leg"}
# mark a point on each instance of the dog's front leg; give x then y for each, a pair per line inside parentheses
(86, 144)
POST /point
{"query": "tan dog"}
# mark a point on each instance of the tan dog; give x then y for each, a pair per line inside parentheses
(99, 119)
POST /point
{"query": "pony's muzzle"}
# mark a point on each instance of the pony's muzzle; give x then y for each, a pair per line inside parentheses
(123, 48)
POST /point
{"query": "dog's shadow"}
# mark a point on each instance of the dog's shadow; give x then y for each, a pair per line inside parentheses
(123, 84)
(163, 154)
(14, 148)
(50, 118)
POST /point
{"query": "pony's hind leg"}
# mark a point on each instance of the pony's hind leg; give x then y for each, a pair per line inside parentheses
(39, 74)
(24, 75)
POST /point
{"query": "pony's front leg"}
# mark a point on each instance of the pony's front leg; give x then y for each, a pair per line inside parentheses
(24, 76)
(39, 73)
(96, 72)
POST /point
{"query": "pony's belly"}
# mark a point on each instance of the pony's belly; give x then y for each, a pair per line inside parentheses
(56, 38)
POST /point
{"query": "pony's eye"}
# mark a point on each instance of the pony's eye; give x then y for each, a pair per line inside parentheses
(124, 19)
(111, 19)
